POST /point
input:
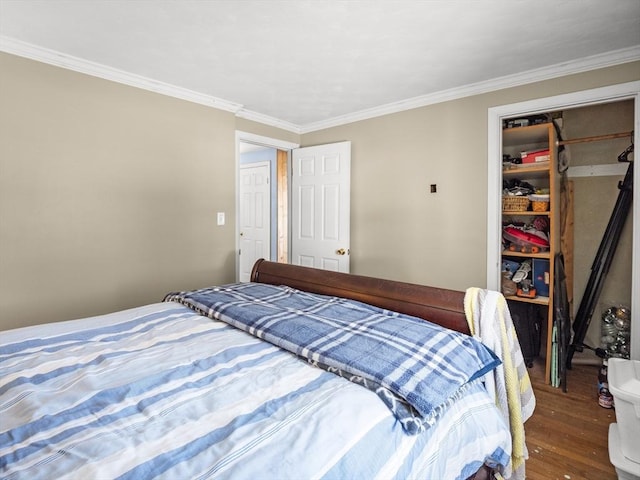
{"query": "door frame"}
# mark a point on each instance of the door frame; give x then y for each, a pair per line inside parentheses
(608, 94)
(246, 137)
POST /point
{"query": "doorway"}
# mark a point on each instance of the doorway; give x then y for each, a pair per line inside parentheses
(252, 148)
(629, 91)
(319, 197)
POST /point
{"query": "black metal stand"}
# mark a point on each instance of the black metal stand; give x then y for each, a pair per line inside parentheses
(603, 259)
(562, 317)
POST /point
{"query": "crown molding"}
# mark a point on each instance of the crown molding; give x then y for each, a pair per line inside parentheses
(267, 120)
(594, 62)
(58, 59)
(52, 57)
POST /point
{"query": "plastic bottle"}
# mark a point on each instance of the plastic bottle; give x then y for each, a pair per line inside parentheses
(605, 398)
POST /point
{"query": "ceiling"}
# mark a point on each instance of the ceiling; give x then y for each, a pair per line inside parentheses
(305, 64)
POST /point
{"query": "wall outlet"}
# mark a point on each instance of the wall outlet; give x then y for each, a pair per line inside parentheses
(220, 218)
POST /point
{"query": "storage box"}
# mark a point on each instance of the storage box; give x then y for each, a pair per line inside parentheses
(624, 384)
(535, 156)
(540, 275)
(625, 468)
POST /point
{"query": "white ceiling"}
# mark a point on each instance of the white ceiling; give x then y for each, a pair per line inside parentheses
(303, 64)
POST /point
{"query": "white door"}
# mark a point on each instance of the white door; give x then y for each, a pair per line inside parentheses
(320, 206)
(255, 225)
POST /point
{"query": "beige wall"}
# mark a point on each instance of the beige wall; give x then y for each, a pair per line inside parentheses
(399, 229)
(108, 193)
(594, 200)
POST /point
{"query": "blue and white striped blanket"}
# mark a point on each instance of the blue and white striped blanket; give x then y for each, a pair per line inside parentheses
(160, 392)
(416, 367)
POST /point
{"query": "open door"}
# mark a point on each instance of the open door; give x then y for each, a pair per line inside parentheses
(320, 206)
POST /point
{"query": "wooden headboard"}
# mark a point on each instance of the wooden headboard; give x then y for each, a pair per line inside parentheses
(438, 305)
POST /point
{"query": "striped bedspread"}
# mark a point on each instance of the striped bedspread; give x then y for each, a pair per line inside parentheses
(162, 392)
(416, 367)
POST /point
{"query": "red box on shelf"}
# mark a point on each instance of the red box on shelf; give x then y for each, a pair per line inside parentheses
(535, 156)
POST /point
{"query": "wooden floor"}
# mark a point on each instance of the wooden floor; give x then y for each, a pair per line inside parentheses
(567, 434)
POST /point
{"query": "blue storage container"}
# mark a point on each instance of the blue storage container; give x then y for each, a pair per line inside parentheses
(541, 276)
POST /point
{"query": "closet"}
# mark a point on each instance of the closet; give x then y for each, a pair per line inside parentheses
(582, 176)
(530, 221)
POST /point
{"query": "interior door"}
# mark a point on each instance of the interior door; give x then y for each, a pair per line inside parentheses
(255, 225)
(320, 206)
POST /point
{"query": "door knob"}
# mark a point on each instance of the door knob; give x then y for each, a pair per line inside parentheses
(341, 251)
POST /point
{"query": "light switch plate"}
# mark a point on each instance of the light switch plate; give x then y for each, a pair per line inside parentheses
(220, 218)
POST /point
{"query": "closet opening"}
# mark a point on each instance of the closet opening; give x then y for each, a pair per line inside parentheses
(594, 129)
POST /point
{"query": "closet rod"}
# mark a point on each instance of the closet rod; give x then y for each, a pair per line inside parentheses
(595, 138)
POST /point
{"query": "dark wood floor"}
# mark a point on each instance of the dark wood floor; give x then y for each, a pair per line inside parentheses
(567, 434)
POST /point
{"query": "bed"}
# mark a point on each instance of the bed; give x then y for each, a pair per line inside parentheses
(189, 388)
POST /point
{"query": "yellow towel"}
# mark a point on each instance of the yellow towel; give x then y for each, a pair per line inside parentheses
(490, 321)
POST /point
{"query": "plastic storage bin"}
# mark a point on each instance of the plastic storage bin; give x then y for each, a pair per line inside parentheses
(625, 468)
(624, 384)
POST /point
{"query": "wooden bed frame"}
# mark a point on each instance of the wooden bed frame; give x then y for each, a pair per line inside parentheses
(438, 305)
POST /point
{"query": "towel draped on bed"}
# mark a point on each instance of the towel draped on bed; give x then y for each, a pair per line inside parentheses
(416, 367)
